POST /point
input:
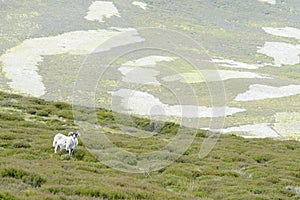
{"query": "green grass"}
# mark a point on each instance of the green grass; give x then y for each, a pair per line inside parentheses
(237, 168)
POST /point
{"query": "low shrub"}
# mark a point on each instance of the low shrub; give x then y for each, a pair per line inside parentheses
(105, 117)
(170, 127)
(67, 114)
(201, 133)
(29, 178)
(262, 158)
(33, 180)
(42, 113)
(79, 154)
(4, 144)
(62, 106)
(21, 144)
(88, 192)
(7, 137)
(10, 117)
(31, 111)
(256, 190)
(7, 196)
(273, 179)
(13, 173)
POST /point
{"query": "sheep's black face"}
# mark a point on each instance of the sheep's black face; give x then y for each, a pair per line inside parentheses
(74, 135)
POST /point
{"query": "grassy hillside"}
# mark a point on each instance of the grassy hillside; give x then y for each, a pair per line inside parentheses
(237, 168)
(225, 29)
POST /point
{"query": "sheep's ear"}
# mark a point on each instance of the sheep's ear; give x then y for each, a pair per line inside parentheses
(78, 133)
(70, 133)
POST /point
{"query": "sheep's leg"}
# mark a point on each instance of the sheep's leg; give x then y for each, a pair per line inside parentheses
(55, 148)
(68, 150)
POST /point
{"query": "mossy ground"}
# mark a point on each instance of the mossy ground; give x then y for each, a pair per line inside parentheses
(237, 168)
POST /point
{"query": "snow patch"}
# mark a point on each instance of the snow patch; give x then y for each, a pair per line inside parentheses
(137, 71)
(273, 2)
(234, 64)
(20, 62)
(258, 92)
(251, 131)
(140, 4)
(150, 61)
(100, 10)
(288, 32)
(139, 75)
(282, 53)
(213, 75)
(143, 103)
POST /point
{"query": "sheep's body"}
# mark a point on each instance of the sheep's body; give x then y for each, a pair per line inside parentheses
(65, 142)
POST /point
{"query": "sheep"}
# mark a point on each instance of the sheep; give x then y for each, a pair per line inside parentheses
(66, 142)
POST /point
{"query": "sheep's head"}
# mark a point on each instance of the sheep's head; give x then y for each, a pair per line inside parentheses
(74, 134)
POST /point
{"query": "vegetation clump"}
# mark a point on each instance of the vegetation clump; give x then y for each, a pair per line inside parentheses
(29, 178)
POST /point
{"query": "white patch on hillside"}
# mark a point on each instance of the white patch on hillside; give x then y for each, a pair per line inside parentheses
(213, 75)
(273, 2)
(100, 10)
(140, 4)
(258, 92)
(20, 62)
(252, 131)
(142, 103)
(140, 70)
(286, 127)
(139, 75)
(150, 61)
(288, 32)
(234, 64)
(282, 53)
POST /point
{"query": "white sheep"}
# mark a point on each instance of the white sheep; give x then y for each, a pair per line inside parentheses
(66, 142)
